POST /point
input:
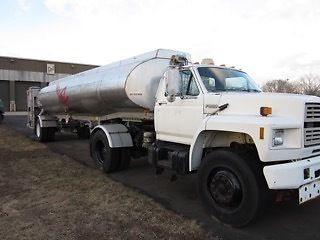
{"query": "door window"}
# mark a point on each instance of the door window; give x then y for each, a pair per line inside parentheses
(188, 84)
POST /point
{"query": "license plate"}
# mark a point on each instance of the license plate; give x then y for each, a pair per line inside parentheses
(309, 191)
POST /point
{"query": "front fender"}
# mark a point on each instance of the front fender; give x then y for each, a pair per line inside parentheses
(249, 125)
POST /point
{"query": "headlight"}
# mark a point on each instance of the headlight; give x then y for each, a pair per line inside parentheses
(277, 137)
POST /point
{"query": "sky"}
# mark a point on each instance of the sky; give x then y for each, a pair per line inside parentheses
(269, 39)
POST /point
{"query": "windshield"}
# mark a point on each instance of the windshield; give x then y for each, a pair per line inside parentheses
(218, 79)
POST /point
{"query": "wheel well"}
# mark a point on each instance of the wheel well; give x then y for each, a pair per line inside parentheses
(208, 141)
(242, 149)
(95, 130)
(225, 139)
(249, 154)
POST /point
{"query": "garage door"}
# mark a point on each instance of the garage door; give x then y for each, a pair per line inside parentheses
(5, 94)
(21, 94)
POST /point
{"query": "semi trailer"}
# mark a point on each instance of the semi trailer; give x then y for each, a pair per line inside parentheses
(247, 147)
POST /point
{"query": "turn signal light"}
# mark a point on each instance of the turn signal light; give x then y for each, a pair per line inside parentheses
(265, 111)
(261, 133)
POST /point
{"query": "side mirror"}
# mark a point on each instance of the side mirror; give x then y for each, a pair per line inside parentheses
(172, 83)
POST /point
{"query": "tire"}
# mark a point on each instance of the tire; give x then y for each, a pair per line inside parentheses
(1, 117)
(83, 132)
(51, 134)
(125, 158)
(229, 188)
(44, 134)
(104, 157)
(40, 132)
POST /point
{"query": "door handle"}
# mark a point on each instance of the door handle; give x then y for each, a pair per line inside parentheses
(162, 103)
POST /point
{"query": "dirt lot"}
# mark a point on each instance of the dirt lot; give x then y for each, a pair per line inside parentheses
(44, 195)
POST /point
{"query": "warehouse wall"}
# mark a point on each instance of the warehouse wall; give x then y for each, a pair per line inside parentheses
(21, 88)
(5, 94)
(17, 75)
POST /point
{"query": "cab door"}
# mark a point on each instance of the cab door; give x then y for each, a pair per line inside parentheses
(179, 120)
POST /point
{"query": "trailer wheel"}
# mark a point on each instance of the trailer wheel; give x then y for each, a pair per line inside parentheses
(105, 157)
(40, 132)
(44, 134)
(51, 133)
(229, 188)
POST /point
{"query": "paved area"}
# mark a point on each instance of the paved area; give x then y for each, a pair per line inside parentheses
(282, 221)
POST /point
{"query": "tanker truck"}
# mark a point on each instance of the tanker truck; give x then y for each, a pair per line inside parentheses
(247, 147)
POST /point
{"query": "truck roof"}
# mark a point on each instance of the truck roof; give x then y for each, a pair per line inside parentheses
(212, 65)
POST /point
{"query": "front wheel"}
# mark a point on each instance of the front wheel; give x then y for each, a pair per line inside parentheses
(229, 188)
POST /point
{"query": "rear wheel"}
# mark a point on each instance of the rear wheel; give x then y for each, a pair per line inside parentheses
(44, 134)
(125, 158)
(229, 188)
(51, 133)
(104, 157)
(41, 133)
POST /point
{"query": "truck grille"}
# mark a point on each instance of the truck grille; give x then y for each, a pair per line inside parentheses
(312, 124)
(312, 112)
(311, 136)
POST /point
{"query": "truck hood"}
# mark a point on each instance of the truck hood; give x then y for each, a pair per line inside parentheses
(242, 103)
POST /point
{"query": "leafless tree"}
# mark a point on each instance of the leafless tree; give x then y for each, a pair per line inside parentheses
(280, 86)
(309, 84)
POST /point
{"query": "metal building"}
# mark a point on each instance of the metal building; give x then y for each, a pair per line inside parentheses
(18, 74)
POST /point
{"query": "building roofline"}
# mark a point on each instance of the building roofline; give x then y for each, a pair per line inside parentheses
(47, 61)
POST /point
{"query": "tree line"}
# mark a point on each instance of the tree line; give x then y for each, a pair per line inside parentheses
(307, 84)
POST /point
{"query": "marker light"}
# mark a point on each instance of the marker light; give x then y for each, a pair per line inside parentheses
(261, 133)
(207, 61)
(265, 111)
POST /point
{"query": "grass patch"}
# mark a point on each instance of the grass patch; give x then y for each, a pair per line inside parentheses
(44, 195)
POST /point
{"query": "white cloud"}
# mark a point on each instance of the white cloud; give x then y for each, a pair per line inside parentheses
(82, 9)
(24, 5)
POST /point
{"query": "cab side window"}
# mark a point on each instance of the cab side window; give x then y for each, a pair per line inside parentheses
(188, 84)
(209, 83)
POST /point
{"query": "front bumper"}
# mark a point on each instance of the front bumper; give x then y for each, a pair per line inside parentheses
(291, 175)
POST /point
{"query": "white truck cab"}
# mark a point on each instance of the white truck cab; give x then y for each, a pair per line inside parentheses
(275, 136)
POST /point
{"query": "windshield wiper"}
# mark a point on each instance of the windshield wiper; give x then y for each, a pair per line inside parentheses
(253, 90)
(241, 90)
(249, 90)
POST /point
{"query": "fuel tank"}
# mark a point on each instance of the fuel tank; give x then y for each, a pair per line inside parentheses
(127, 85)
